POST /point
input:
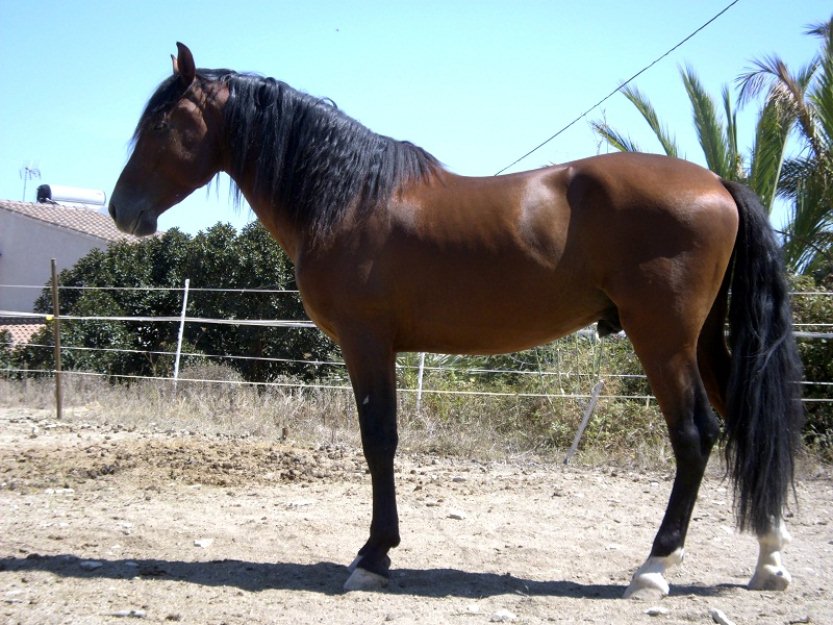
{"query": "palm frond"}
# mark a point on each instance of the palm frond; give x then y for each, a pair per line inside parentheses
(793, 171)
(768, 152)
(614, 138)
(709, 126)
(784, 87)
(821, 92)
(646, 109)
(822, 29)
(807, 236)
(734, 158)
(759, 78)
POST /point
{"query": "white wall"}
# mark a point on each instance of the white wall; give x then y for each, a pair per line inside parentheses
(26, 247)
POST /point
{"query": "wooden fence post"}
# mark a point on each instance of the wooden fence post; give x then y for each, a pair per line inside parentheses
(56, 331)
(588, 412)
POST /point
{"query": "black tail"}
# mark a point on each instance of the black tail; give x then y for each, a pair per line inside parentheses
(764, 412)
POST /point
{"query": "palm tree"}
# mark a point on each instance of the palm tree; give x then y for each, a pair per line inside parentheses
(804, 101)
(799, 105)
(718, 137)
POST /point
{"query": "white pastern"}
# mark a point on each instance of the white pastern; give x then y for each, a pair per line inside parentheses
(770, 573)
(649, 580)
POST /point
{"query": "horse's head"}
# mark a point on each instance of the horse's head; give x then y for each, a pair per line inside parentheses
(176, 148)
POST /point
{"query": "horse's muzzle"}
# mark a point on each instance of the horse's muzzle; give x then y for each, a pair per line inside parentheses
(136, 222)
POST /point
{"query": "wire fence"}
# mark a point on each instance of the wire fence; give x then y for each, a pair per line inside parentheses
(567, 369)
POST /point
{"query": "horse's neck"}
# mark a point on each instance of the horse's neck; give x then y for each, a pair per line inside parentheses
(273, 217)
(276, 221)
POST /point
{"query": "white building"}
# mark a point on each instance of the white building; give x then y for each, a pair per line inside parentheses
(32, 234)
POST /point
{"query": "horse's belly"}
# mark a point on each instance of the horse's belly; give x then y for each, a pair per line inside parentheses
(458, 319)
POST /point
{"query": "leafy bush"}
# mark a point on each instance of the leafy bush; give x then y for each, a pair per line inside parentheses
(148, 277)
(5, 349)
(817, 358)
(536, 398)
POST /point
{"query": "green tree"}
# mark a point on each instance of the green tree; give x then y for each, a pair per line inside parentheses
(796, 105)
(796, 108)
(5, 349)
(221, 259)
(717, 133)
(815, 306)
(804, 102)
(144, 279)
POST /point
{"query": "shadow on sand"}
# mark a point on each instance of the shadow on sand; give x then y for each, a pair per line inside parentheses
(323, 577)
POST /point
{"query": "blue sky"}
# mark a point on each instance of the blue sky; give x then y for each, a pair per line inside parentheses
(476, 83)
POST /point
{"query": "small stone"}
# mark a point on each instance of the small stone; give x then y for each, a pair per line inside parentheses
(457, 516)
(204, 543)
(130, 614)
(656, 611)
(503, 616)
(719, 617)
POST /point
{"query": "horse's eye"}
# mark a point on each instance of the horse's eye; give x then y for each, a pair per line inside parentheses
(161, 125)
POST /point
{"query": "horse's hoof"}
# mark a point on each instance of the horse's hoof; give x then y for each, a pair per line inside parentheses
(648, 582)
(770, 578)
(647, 587)
(365, 580)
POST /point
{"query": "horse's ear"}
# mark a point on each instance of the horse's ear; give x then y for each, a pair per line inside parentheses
(184, 64)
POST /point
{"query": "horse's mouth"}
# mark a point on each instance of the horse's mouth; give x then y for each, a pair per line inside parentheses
(143, 224)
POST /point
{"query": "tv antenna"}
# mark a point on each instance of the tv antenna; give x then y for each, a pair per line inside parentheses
(27, 173)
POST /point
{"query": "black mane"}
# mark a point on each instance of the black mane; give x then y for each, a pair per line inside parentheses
(308, 156)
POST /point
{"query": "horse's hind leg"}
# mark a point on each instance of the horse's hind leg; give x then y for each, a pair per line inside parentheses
(713, 356)
(715, 363)
(670, 361)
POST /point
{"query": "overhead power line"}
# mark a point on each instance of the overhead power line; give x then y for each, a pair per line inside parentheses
(618, 88)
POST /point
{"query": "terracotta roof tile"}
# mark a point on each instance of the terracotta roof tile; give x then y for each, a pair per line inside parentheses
(20, 332)
(84, 220)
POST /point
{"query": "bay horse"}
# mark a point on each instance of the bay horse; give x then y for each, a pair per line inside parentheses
(393, 253)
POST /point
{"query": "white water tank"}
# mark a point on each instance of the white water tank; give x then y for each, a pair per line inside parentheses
(71, 196)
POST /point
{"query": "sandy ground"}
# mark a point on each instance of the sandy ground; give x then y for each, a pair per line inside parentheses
(103, 525)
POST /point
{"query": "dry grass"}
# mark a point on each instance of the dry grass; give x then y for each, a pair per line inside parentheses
(629, 435)
(478, 427)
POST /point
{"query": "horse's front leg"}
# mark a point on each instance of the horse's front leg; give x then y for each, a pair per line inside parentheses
(372, 373)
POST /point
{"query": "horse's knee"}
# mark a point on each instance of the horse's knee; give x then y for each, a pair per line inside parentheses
(379, 452)
(379, 433)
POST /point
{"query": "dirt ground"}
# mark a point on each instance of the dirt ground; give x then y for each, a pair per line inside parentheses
(99, 524)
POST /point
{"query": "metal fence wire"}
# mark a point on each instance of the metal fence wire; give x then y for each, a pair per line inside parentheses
(568, 368)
